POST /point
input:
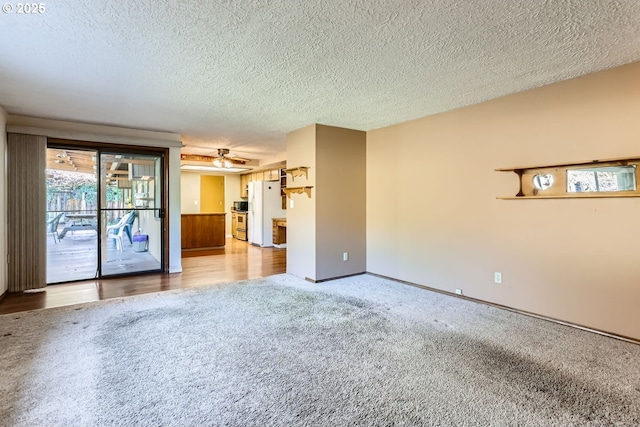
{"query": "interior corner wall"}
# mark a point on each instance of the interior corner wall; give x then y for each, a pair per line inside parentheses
(301, 216)
(3, 202)
(175, 220)
(433, 217)
(340, 194)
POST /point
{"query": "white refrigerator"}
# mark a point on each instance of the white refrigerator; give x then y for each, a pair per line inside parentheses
(265, 204)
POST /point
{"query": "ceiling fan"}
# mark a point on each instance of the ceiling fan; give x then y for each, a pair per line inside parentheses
(223, 160)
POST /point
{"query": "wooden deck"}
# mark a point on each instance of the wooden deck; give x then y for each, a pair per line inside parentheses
(75, 257)
(237, 261)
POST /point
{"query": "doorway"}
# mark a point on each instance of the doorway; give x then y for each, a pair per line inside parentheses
(105, 214)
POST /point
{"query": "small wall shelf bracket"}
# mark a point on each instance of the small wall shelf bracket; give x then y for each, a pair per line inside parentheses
(298, 171)
(297, 190)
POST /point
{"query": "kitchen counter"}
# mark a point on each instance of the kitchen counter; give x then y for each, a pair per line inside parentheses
(203, 230)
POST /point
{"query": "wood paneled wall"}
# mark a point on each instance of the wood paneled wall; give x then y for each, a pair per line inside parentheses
(26, 207)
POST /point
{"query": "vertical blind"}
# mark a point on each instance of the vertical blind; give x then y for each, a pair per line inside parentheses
(26, 209)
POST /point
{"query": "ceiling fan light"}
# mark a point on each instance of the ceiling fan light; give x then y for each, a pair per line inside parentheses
(217, 163)
(227, 163)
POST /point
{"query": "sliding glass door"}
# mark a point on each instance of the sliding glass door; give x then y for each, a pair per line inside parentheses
(72, 225)
(131, 213)
(104, 212)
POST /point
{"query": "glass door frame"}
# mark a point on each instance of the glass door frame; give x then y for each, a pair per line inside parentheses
(149, 187)
(72, 178)
(102, 147)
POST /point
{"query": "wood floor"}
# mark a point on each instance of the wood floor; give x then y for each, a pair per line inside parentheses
(237, 261)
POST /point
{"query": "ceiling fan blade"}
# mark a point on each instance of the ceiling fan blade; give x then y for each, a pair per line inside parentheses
(236, 160)
(210, 159)
(233, 157)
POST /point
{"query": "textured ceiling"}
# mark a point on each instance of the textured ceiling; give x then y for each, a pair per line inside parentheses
(241, 74)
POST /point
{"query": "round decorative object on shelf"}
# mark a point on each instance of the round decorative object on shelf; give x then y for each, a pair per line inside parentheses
(542, 182)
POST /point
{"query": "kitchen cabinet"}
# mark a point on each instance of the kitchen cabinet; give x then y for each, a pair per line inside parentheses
(271, 175)
(279, 231)
(244, 185)
(265, 175)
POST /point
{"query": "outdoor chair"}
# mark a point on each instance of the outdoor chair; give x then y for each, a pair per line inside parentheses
(52, 227)
(128, 227)
(116, 231)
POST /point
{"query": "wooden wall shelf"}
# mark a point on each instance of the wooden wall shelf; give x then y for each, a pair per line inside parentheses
(298, 171)
(569, 196)
(588, 179)
(297, 190)
(585, 163)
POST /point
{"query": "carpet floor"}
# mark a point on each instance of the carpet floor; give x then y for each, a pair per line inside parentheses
(281, 351)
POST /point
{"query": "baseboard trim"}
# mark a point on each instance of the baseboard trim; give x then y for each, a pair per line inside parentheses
(334, 278)
(515, 310)
(205, 248)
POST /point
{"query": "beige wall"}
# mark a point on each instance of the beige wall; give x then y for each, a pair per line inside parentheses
(3, 202)
(331, 222)
(340, 196)
(301, 217)
(212, 194)
(433, 217)
(190, 192)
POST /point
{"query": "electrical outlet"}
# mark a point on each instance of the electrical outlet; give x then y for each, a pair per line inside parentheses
(458, 291)
(497, 277)
(345, 256)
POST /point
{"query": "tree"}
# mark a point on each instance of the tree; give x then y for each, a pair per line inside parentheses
(66, 188)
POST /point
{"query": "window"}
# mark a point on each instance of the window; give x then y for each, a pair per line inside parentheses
(601, 179)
